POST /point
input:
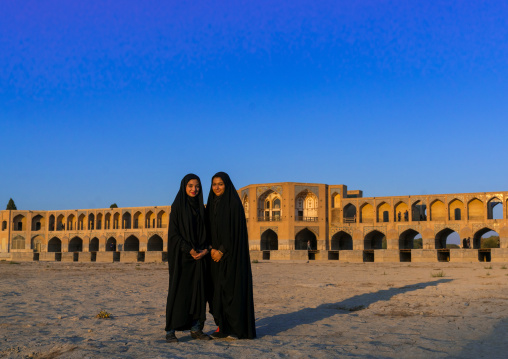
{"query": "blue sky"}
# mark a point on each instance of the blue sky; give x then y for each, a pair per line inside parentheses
(115, 101)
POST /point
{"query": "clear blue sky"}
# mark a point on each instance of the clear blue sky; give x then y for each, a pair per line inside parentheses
(115, 101)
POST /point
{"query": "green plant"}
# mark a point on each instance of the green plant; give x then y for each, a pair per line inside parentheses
(255, 261)
(11, 205)
(503, 267)
(489, 267)
(103, 315)
(488, 273)
(437, 274)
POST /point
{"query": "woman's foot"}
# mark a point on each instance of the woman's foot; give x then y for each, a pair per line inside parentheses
(199, 335)
(171, 338)
(218, 334)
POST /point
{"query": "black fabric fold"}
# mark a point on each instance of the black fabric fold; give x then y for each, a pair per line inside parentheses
(232, 305)
(188, 278)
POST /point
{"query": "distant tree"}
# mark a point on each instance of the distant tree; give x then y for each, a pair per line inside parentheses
(451, 245)
(11, 205)
(490, 242)
(417, 243)
(114, 205)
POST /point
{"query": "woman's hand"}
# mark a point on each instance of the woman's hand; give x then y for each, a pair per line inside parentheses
(197, 255)
(216, 255)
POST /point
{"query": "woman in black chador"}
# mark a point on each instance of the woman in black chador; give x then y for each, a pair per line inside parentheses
(232, 305)
(188, 262)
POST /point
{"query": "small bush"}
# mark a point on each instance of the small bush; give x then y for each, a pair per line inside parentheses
(503, 267)
(255, 261)
(489, 267)
(437, 274)
(103, 315)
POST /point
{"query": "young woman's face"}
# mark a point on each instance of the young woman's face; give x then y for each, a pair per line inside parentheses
(218, 186)
(192, 188)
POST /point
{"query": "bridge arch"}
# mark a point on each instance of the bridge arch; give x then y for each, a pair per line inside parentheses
(442, 238)
(374, 240)
(304, 236)
(437, 210)
(478, 235)
(475, 210)
(75, 244)
(270, 241)
(383, 212)
(131, 244)
(55, 245)
(341, 241)
(406, 239)
(155, 243)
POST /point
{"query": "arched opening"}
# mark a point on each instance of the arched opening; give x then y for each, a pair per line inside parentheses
(437, 211)
(162, 219)
(18, 242)
(341, 241)
(126, 220)
(401, 212)
(304, 239)
(335, 200)
(485, 238)
(107, 221)
(81, 222)
(131, 244)
(4, 225)
(99, 221)
(52, 222)
(269, 206)
(111, 245)
(138, 219)
(19, 222)
(447, 238)
(155, 243)
(149, 219)
(269, 241)
(91, 221)
(55, 245)
(455, 210)
(37, 223)
(349, 213)
(408, 240)
(36, 243)
(245, 202)
(493, 210)
(76, 245)
(306, 207)
(374, 240)
(383, 211)
(94, 245)
(70, 222)
(60, 223)
(419, 211)
(475, 210)
(366, 213)
(116, 220)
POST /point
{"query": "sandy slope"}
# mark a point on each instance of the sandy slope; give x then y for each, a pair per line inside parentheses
(302, 309)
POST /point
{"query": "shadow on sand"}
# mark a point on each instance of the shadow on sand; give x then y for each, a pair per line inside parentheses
(281, 322)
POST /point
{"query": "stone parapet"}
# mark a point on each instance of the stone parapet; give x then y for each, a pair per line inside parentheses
(352, 256)
(387, 255)
(499, 255)
(154, 257)
(460, 255)
(128, 257)
(423, 255)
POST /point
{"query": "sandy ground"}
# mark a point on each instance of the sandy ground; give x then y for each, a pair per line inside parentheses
(315, 310)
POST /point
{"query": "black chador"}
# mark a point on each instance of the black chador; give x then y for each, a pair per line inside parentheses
(188, 278)
(233, 305)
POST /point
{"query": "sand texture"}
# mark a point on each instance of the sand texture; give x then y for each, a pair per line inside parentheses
(307, 310)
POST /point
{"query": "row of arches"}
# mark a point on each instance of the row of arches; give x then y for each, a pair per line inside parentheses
(409, 239)
(76, 244)
(92, 222)
(455, 210)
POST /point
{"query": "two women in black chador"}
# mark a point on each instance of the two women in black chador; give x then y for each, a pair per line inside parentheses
(209, 261)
